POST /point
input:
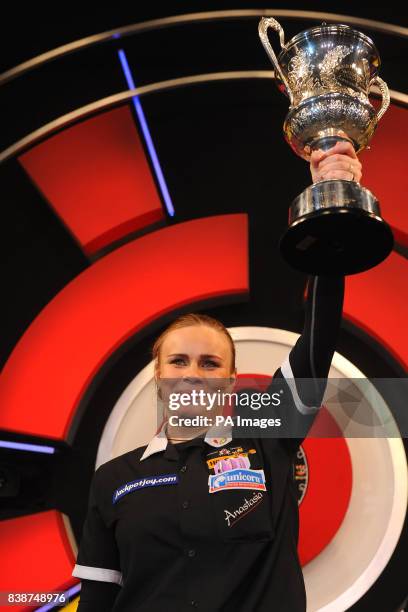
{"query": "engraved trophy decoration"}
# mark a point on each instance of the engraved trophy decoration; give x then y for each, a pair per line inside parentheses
(327, 72)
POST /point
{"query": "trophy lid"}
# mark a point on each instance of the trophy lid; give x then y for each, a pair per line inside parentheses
(329, 30)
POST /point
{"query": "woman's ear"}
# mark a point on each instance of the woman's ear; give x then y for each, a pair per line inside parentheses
(156, 382)
(232, 379)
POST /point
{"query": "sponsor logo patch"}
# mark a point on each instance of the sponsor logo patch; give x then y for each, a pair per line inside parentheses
(147, 481)
(229, 458)
(237, 479)
(233, 516)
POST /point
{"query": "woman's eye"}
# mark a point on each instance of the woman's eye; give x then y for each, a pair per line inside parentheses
(212, 363)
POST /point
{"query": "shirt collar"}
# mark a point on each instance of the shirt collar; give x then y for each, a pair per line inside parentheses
(160, 441)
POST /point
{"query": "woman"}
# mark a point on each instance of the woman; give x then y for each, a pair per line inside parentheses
(174, 525)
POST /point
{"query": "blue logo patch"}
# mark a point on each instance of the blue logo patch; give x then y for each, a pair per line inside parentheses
(237, 479)
(140, 483)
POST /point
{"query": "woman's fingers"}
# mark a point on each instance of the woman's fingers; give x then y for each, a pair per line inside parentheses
(340, 162)
(342, 147)
(338, 167)
(316, 157)
(348, 171)
(317, 154)
(338, 158)
(348, 175)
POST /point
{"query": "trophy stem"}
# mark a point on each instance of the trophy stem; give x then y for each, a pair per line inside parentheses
(327, 139)
(327, 142)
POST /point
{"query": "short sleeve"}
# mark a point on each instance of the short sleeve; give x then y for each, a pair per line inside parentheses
(98, 554)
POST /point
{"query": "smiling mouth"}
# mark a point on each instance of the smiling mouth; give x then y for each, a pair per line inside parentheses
(189, 389)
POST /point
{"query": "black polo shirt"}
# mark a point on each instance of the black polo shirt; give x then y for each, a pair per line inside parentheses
(183, 548)
(165, 539)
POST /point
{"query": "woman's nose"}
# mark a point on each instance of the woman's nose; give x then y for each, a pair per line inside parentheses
(192, 377)
(192, 372)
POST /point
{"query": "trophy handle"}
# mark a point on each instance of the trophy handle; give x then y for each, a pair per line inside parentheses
(385, 95)
(263, 26)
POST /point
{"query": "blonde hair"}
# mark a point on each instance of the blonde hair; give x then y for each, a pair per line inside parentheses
(187, 320)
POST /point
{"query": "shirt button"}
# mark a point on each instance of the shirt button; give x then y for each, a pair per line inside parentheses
(183, 469)
(185, 504)
(191, 552)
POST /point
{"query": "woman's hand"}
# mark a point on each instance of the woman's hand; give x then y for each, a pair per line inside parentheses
(339, 162)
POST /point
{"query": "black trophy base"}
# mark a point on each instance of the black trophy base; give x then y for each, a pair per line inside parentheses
(335, 227)
(337, 241)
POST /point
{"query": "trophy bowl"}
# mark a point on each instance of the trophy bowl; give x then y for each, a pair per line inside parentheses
(335, 225)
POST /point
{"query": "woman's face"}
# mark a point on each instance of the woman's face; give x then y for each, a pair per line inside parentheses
(195, 357)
